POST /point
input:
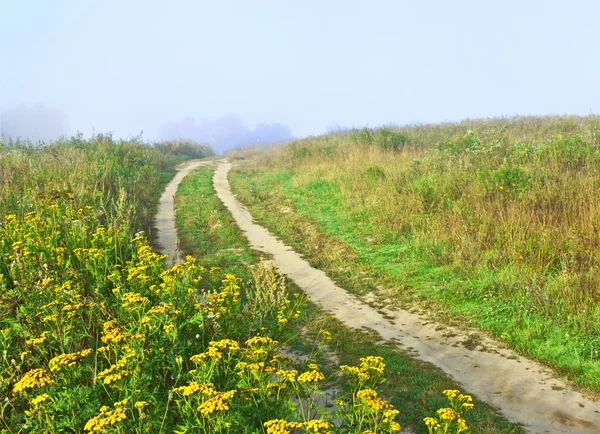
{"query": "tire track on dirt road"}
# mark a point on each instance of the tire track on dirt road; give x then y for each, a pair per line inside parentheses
(164, 220)
(522, 390)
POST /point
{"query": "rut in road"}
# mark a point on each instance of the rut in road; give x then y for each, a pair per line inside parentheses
(522, 390)
(164, 220)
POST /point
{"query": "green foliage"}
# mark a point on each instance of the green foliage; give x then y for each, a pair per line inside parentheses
(508, 204)
(298, 151)
(389, 140)
(374, 174)
(504, 180)
(467, 143)
(96, 335)
(184, 148)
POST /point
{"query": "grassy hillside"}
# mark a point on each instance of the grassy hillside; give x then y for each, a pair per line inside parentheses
(492, 224)
(96, 335)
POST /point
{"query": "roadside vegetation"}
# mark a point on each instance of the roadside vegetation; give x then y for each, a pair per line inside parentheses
(488, 224)
(96, 335)
(209, 233)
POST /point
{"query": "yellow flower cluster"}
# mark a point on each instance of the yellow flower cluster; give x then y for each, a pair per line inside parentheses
(317, 426)
(112, 333)
(433, 424)
(281, 426)
(204, 388)
(217, 403)
(261, 341)
(210, 353)
(40, 398)
(133, 300)
(225, 344)
(369, 397)
(312, 376)
(388, 418)
(105, 419)
(71, 309)
(372, 363)
(448, 414)
(35, 378)
(325, 335)
(229, 294)
(116, 372)
(37, 341)
(69, 359)
(354, 371)
(287, 375)
(157, 310)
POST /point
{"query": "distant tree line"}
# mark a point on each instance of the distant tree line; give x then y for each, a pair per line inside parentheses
(225, 132)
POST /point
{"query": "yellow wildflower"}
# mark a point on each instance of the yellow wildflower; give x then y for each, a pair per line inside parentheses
(210, 353)
(369, 397)
(431, 422)
(317, 426)
(324, 334)
(216, 403)
(311, 377)
(69, 359)
(204, 388)
(133, 300)
(37, 341)
(451, 393)
(448, 414)
(281, 426)
(225, 344)
(112, 333)
(260, 341)
(40, 398)
(105, 419)
(35, 378)
(372, 363)
(355, 371)
(287, 375)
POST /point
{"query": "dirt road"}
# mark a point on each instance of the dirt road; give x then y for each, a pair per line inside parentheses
(164, 221)
(522, 390)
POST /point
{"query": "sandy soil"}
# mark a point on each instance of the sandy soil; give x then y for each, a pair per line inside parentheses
(522, 390)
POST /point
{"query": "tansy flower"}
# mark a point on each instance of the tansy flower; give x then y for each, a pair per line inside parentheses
(311, 377)
(34, 378)
(40, 398)
(216, 403)
(206, 389)
(281, 426)
(317, 426)
(105, 419)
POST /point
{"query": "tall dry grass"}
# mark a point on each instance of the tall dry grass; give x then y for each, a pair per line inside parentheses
(520, 194)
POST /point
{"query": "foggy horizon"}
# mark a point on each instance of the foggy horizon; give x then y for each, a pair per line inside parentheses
(234, 73)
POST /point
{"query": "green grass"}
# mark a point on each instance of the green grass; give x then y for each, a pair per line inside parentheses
(428, 226)
(209, 232)
(412, 386)
(206, 229)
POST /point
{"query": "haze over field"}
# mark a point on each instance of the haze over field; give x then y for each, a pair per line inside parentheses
(238, 72)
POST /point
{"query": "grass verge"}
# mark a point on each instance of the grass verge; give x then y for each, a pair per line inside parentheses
(312, 218)
(208, 231)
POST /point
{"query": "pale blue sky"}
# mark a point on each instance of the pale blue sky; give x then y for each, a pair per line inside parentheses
(129, 65)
